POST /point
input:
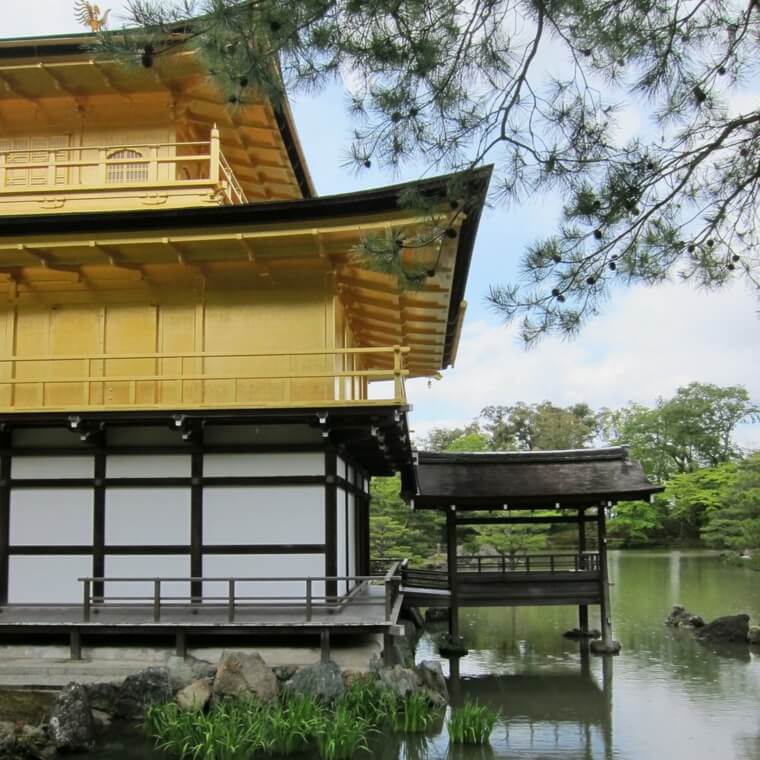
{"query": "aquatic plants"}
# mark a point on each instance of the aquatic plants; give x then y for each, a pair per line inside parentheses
(471, 724)
(342, 734)
(415, 713)
(243, 728)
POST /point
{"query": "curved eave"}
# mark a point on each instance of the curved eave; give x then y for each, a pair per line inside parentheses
(529, 480)
(427, 320)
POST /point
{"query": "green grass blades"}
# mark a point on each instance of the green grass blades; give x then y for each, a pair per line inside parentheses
(367, 698)
(342, 734)
(471, 724)
(288, 727)
(415, 714)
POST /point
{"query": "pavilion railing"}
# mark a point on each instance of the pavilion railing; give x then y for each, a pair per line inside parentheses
(101, 168)
(529, 563)
(199, 379)
(235, 599)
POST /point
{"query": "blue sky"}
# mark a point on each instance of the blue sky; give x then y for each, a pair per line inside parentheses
(644, 344)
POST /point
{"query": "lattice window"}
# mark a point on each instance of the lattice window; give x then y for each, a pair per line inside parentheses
(23, 151)
(127, 172)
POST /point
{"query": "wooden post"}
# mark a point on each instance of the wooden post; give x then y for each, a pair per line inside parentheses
(75, 644)
(308, 600)
(214, 153)
(451, 553)
(606, 613)
(181, 643)
(231, 600)
(2, 170)
(86, 601)
(583, 608)
(324, 646)
(398, 388)
(156, 600)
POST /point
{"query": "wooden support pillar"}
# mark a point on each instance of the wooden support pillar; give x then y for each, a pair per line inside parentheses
(324, 646)
(181, 643)
(196, 520)
(451, 554)
(99, 524)
(388, 650)
(331, 522)
(5, 519)
(75, 644)
(606, 612)
(583, 608)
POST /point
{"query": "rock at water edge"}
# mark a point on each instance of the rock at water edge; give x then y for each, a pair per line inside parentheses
(431, 677)
(323, 681)
(730, 628)
(195, 696)
(71, 726)
(598, 646)
(142, 689)
(753, 637)
(186, 670)
(239, 673)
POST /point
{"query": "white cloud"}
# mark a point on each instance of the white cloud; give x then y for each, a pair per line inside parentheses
(646, 343)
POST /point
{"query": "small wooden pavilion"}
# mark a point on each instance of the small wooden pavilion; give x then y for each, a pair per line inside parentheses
(524, 488)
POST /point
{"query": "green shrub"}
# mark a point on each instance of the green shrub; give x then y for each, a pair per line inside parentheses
(415, 714)
(342, 734)
(471, 724)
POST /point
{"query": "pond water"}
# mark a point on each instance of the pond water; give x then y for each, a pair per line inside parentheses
(664, 696)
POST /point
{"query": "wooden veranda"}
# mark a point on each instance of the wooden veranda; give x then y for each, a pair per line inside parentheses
(574, 487)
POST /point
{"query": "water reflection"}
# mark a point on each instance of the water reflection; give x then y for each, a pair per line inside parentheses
(666, 695)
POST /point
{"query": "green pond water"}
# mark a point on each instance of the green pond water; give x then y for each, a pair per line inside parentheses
(665, 696)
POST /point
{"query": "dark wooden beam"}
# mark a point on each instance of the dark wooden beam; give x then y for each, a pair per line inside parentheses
(534, 520)
(196, 519)
(451, 558)
(5, 524)
(331, 521)
(99, 522)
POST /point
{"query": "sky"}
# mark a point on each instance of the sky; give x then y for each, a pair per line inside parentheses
(644, 344)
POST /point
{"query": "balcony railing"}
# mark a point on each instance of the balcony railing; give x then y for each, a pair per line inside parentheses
(69, 175)
(200, 379)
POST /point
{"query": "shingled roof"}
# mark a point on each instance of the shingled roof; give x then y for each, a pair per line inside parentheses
(529, 479)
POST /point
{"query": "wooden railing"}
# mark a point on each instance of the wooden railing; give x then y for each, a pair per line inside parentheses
(163, 380)
(527, 563)
(132, 166)
(233, 602)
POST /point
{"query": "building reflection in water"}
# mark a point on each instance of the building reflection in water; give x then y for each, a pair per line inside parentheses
(564, 713)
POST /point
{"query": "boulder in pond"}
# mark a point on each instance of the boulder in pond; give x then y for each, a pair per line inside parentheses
(732, 629)
(430, 674)
(244, 672)
(323, 681)
(103, 696)
(753, 636)
(195, 696)
(71, 726)
(151, 686)
(186, 670)
(401, 681)
(680, 617)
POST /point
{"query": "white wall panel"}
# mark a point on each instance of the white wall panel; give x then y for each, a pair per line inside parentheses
(263, 566)
(342, 468)
(147, 566)
(46, 516)
(148, 466)
(140, 516)
(53, 467)
(221, 465)
(264, 515)
(38, 580)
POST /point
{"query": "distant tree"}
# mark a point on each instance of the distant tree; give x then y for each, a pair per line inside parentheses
(637, 523)
(534, 86)
(693, 429)
(441, 438)
(544, 426)
(734, 523)
(470, 442)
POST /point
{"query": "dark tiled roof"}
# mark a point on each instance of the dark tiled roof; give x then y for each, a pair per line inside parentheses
(526, 479)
